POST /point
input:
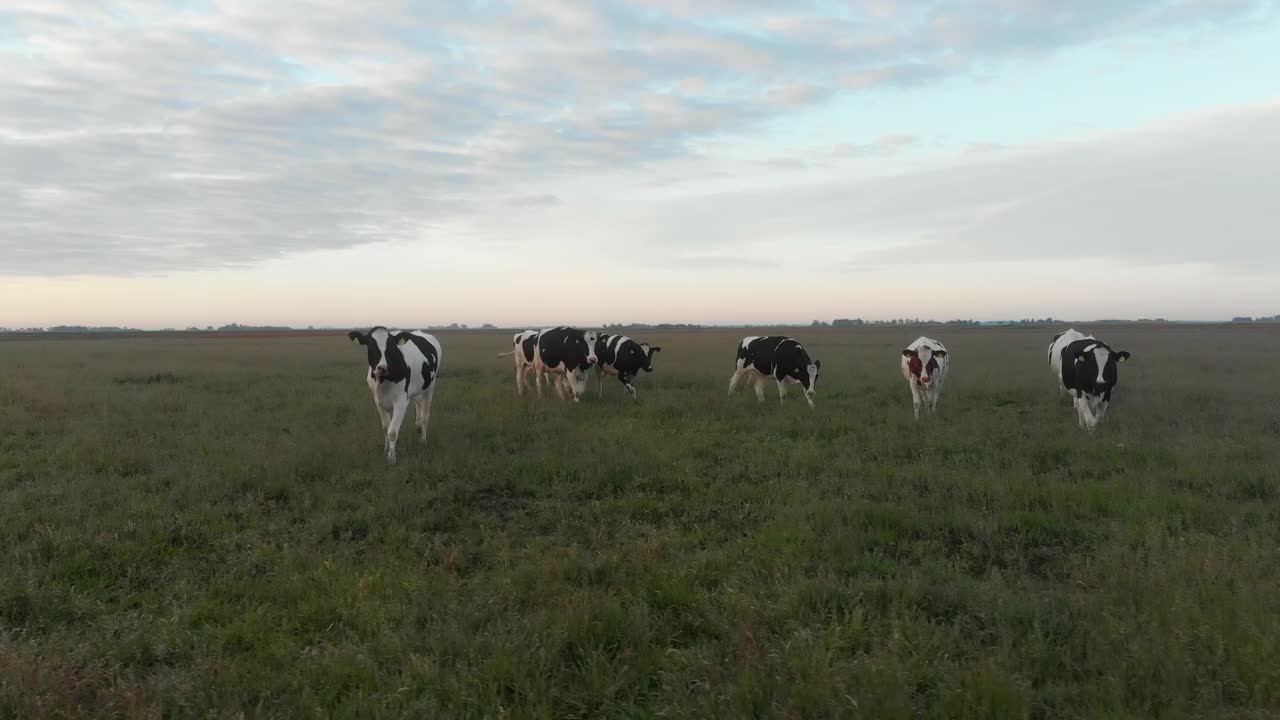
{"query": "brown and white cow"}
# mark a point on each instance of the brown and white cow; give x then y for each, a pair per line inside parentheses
(925, 363)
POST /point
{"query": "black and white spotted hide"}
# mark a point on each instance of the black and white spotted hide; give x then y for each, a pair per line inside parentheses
(403, 368)
(624, 358)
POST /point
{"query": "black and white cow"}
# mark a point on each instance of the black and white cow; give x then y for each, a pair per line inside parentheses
(621, 356)
(403, 366)
(567, 353)
(522, 344)
(781, 357)
(1088, 370)
(925, 363)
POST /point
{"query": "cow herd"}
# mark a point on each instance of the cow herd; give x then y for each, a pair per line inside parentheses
(404, 366)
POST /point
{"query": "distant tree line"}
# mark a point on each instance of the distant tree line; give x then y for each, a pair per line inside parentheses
(70, 329)
(859, 322)
(647, 326)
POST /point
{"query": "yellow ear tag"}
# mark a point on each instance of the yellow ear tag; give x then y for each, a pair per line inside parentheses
(1123, 358)
(404, 341)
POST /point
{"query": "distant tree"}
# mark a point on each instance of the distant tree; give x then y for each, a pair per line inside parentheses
(1242, 319)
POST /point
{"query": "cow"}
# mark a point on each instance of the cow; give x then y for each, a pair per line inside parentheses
(925, 363)
(522, 344)
(783, 358)
(1088, 370)
(568, 353)
(621, 356)
(403, 366)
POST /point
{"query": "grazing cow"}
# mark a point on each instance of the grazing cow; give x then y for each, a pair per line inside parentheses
(568, 353)
(522, 344)
(621, 356)
(1087, 369)
(924, 365)
(402, 366)
(781, 357)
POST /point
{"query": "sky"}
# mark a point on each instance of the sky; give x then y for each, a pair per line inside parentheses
(170, 163)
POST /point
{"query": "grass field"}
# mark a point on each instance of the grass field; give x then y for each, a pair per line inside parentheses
(195, 527)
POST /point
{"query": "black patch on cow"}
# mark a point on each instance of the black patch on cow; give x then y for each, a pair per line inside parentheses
(431, 359)
(779, 356)
(527, 345)
(564, 345)
(1080, 368)
(604, 353)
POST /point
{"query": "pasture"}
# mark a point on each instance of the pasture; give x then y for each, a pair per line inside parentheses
(205, 527)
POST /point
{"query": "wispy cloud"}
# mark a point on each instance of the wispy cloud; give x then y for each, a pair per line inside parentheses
(1199, 189)
(145, 135)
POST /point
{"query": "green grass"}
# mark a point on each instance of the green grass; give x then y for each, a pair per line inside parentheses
(206, 528)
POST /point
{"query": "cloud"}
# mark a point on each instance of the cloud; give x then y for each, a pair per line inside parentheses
(543, 200)
(143, 136)
(1199, 189)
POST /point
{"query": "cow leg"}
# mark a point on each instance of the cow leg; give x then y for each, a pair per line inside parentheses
(393, 430)
(560, 387)
(384, 415)
(915, 399)
(934, 392)
(737, 378)
(519, 380)
(759, 388)
(782, 391)
(538, 373)
(577, 382)
(625, 379)
(1087, 420)
(423, 414)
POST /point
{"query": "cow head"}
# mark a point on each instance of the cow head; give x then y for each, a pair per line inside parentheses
(805, 372)
(386, 362)
(648, 355)
(590, 337)
(922, 362)
(1101, 364)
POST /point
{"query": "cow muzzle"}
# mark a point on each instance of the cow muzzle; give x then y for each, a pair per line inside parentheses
(380, 372)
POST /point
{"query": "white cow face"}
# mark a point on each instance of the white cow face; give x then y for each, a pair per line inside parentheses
(591, 336)
(385, 359)
(923, 362)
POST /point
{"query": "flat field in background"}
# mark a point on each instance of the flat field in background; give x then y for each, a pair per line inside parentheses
(197, 526)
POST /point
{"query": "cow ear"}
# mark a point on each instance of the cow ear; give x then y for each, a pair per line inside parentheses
(402, 339)
(908, 353)
(356, 337)
(817, 364)
(656, 349)
(1122, 356)
(939, 353)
